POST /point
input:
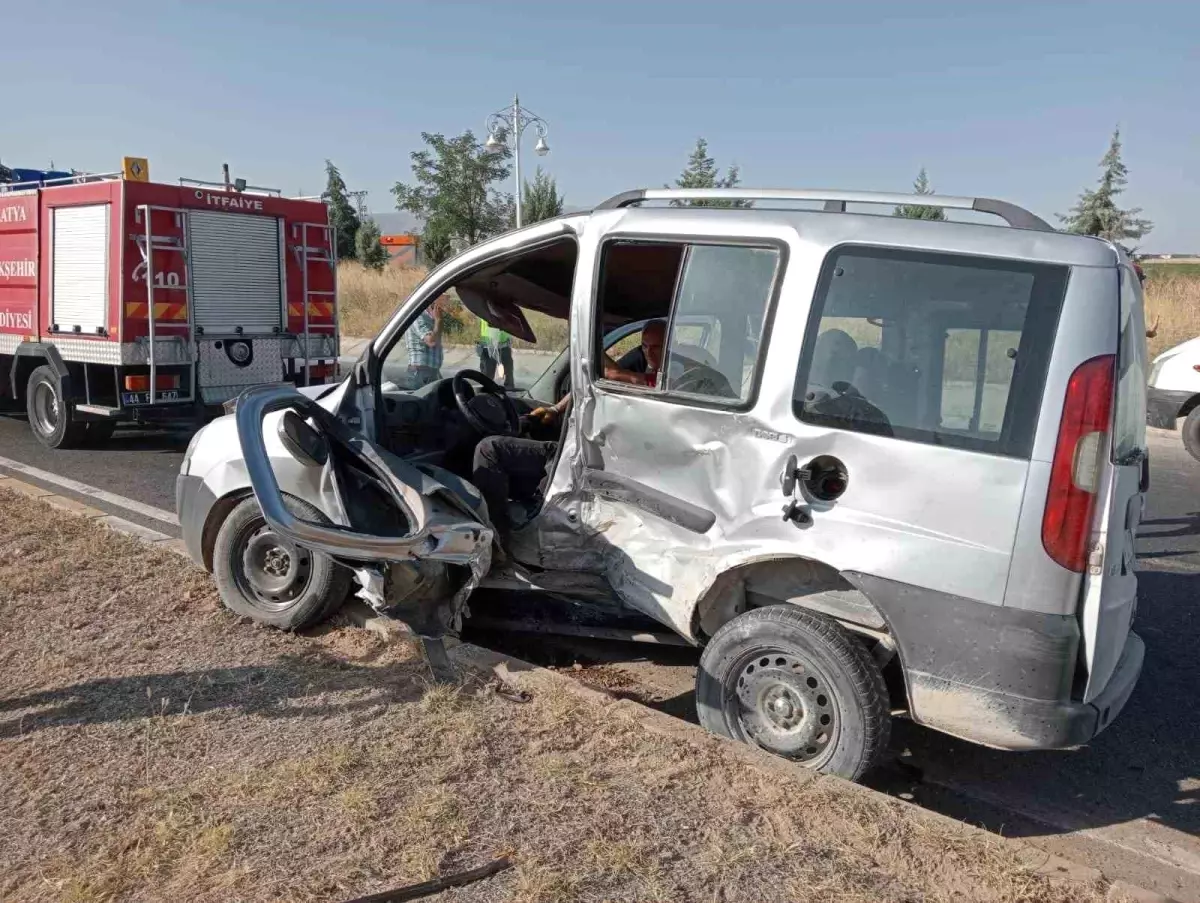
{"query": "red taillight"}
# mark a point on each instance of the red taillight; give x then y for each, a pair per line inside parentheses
(320, 372)
(1078, 463)
(142, 383)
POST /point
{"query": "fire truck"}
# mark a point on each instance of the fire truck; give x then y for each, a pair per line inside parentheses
(126, 300)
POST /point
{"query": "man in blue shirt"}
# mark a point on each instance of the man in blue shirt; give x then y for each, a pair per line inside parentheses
(423, 341)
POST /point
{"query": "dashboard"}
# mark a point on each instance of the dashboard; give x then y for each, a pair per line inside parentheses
(427, 420)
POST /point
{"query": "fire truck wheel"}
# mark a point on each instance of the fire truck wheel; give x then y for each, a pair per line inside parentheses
(51, 414)
(263, 577)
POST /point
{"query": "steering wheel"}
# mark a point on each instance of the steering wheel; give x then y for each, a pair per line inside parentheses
(491, 413)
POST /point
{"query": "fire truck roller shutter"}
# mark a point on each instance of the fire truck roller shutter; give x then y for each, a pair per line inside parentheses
(235, 268)
(79, 274)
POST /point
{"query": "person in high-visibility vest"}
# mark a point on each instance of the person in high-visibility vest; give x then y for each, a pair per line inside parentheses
(495, 345)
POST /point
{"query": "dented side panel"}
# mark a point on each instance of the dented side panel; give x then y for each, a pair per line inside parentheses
(892, 519)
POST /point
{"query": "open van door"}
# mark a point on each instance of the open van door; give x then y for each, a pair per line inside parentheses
(1110, 582)
(416, 539)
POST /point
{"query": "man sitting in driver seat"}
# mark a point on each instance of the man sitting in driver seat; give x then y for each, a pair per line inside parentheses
(512, 467)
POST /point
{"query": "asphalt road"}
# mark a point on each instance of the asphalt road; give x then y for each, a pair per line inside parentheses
(1137, 785)
(1131, 797)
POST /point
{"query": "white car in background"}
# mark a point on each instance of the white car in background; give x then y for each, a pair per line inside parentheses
(1174, 392)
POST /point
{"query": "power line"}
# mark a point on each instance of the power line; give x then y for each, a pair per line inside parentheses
(360, 202)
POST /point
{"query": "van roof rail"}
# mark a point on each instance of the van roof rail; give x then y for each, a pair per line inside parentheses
(835, 201)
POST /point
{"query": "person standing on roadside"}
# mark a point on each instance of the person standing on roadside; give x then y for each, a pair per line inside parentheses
(423, 341)
(495, 345)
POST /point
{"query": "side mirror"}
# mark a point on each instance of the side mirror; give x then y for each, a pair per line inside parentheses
(303, 442)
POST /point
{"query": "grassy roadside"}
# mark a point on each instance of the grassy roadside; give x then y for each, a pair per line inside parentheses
(1173, 301)
(154, 747)
(367, 300)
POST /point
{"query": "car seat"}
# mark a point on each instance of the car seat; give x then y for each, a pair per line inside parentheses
(834, 357)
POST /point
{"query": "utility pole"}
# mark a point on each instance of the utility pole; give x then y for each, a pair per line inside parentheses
(505, 126)
(360, 203)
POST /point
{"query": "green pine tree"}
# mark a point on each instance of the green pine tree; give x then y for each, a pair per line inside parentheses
(702, 172)
(1096, 212)
(540, 199)
(453, 193)
(342, 215)
(369, 246)
(920, 211)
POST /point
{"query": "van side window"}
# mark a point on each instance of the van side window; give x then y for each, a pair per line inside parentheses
(976, 378)
(938, 348)
(713, 300)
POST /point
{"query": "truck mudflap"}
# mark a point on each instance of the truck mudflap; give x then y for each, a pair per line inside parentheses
(418, 547)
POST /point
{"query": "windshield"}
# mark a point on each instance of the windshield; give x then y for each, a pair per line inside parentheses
(447, 338)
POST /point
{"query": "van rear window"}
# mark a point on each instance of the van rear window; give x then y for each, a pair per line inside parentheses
(945, 349)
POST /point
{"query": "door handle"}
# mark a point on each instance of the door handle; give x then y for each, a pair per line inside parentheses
(796, 513)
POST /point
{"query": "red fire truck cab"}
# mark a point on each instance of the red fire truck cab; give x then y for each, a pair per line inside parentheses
(125, 300)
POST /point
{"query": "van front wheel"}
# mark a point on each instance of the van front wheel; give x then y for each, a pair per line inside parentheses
(1191, 433)
(796, 684)
(262, 576)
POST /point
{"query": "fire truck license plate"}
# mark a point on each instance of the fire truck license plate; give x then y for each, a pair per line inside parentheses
(144, 397)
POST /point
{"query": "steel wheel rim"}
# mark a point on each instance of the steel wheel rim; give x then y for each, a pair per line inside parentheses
(45, 408)
(272, 573)
(786, 706)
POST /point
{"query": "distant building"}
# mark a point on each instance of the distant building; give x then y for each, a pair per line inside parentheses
(403, 250)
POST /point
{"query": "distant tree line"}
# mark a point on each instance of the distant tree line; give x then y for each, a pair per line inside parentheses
(1095, 213)
(456, 194)
(353, 238)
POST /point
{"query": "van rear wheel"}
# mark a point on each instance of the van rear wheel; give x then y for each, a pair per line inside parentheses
(51, 414)
(798, 685)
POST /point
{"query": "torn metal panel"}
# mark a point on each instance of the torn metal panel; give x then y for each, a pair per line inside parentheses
(435, 525)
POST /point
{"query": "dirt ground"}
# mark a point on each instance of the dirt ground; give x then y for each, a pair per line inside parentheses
(154, 747)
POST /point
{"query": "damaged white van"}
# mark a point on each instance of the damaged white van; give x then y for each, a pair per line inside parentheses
(868, 463)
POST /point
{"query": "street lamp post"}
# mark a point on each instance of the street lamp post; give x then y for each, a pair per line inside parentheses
(513, 121)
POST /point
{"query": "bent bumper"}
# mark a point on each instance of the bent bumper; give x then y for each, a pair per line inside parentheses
(1006, 721)
(1163, 407)
(996, 675)
(193, 501)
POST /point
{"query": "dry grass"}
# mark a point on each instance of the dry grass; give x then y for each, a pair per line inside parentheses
(368, 298)
(1173, 301)
(153, 747)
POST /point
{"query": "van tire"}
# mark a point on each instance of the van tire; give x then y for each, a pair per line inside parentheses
(51, 413)
(797, 684)
(317, 587)
(1190, 431)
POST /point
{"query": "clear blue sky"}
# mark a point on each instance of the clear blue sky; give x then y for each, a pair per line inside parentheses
(1014, 100)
